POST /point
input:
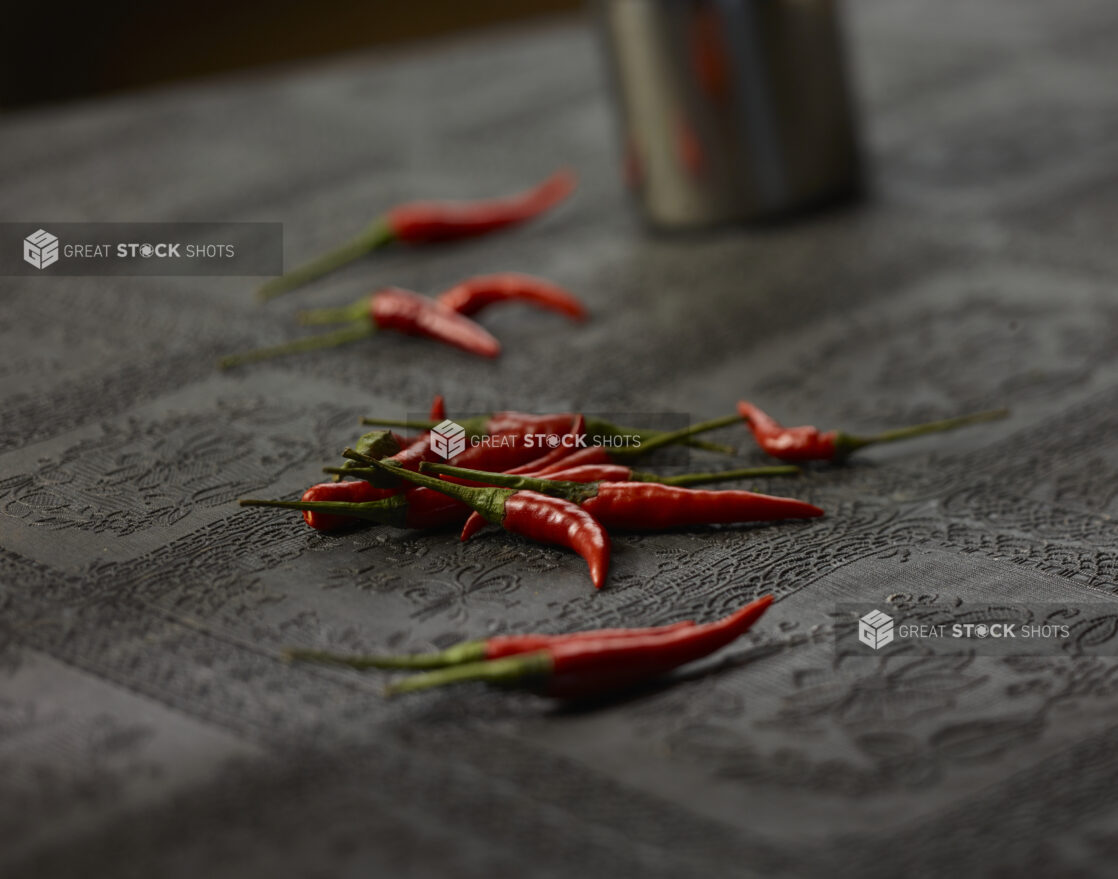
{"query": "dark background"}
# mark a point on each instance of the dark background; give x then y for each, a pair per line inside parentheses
(77, 49)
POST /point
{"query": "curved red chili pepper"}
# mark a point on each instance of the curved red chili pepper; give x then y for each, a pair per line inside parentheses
(422, 222)
(406, 312)
(474, 294)
(580, 668)
(807, 443)
(427, 221)
(553, 520)
(804, 443)
(528, 513)
(588, 666)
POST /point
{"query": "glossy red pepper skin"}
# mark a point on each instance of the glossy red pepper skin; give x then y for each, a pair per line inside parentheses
(805, 443)
(406, 312)
(592, 473)
(423, 222)
(474, 294)
(508, 446)
(649, 506)
(560, 453)
(581, 666)
(500, 646)
(552, 520)
(590, 668)
(431, 509)
(592, 454)
(350, 492)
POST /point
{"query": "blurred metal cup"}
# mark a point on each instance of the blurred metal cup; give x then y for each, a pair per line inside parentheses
(732, 109)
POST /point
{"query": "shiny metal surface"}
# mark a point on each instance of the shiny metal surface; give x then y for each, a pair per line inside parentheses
(731, 109)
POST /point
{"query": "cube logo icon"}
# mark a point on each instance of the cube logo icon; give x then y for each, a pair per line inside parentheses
(448, 439)
(875, 629)
(40, 249)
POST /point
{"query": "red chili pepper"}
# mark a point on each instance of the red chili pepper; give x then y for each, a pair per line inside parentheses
(424, 222)
(474, 294)
(536, 516)
(560, 453)
(348, 492)
(585, 667)
(582, 457)
(419, 508)
(390, 309)
(549, 457)
(647, 501)
(497, 647)
(506, 447)
(807, 443)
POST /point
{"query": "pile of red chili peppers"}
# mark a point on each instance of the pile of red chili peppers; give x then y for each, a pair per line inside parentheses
(566, 496)
(569, 496)
(447, 317)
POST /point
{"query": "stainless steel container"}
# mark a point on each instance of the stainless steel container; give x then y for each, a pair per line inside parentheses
(731, 109)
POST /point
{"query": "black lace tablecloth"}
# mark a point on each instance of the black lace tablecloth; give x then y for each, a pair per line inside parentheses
(148, 725)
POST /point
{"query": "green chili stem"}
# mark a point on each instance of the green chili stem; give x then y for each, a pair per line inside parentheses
(674, 436)
(720, 448)
(346, 314)
(459, 654)
(403, 424)
(685, 479)
(313, 343)
(849, 443)
(489, 502)
(375, 236)
(511, 670)
(386, 511)
(575, 492)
